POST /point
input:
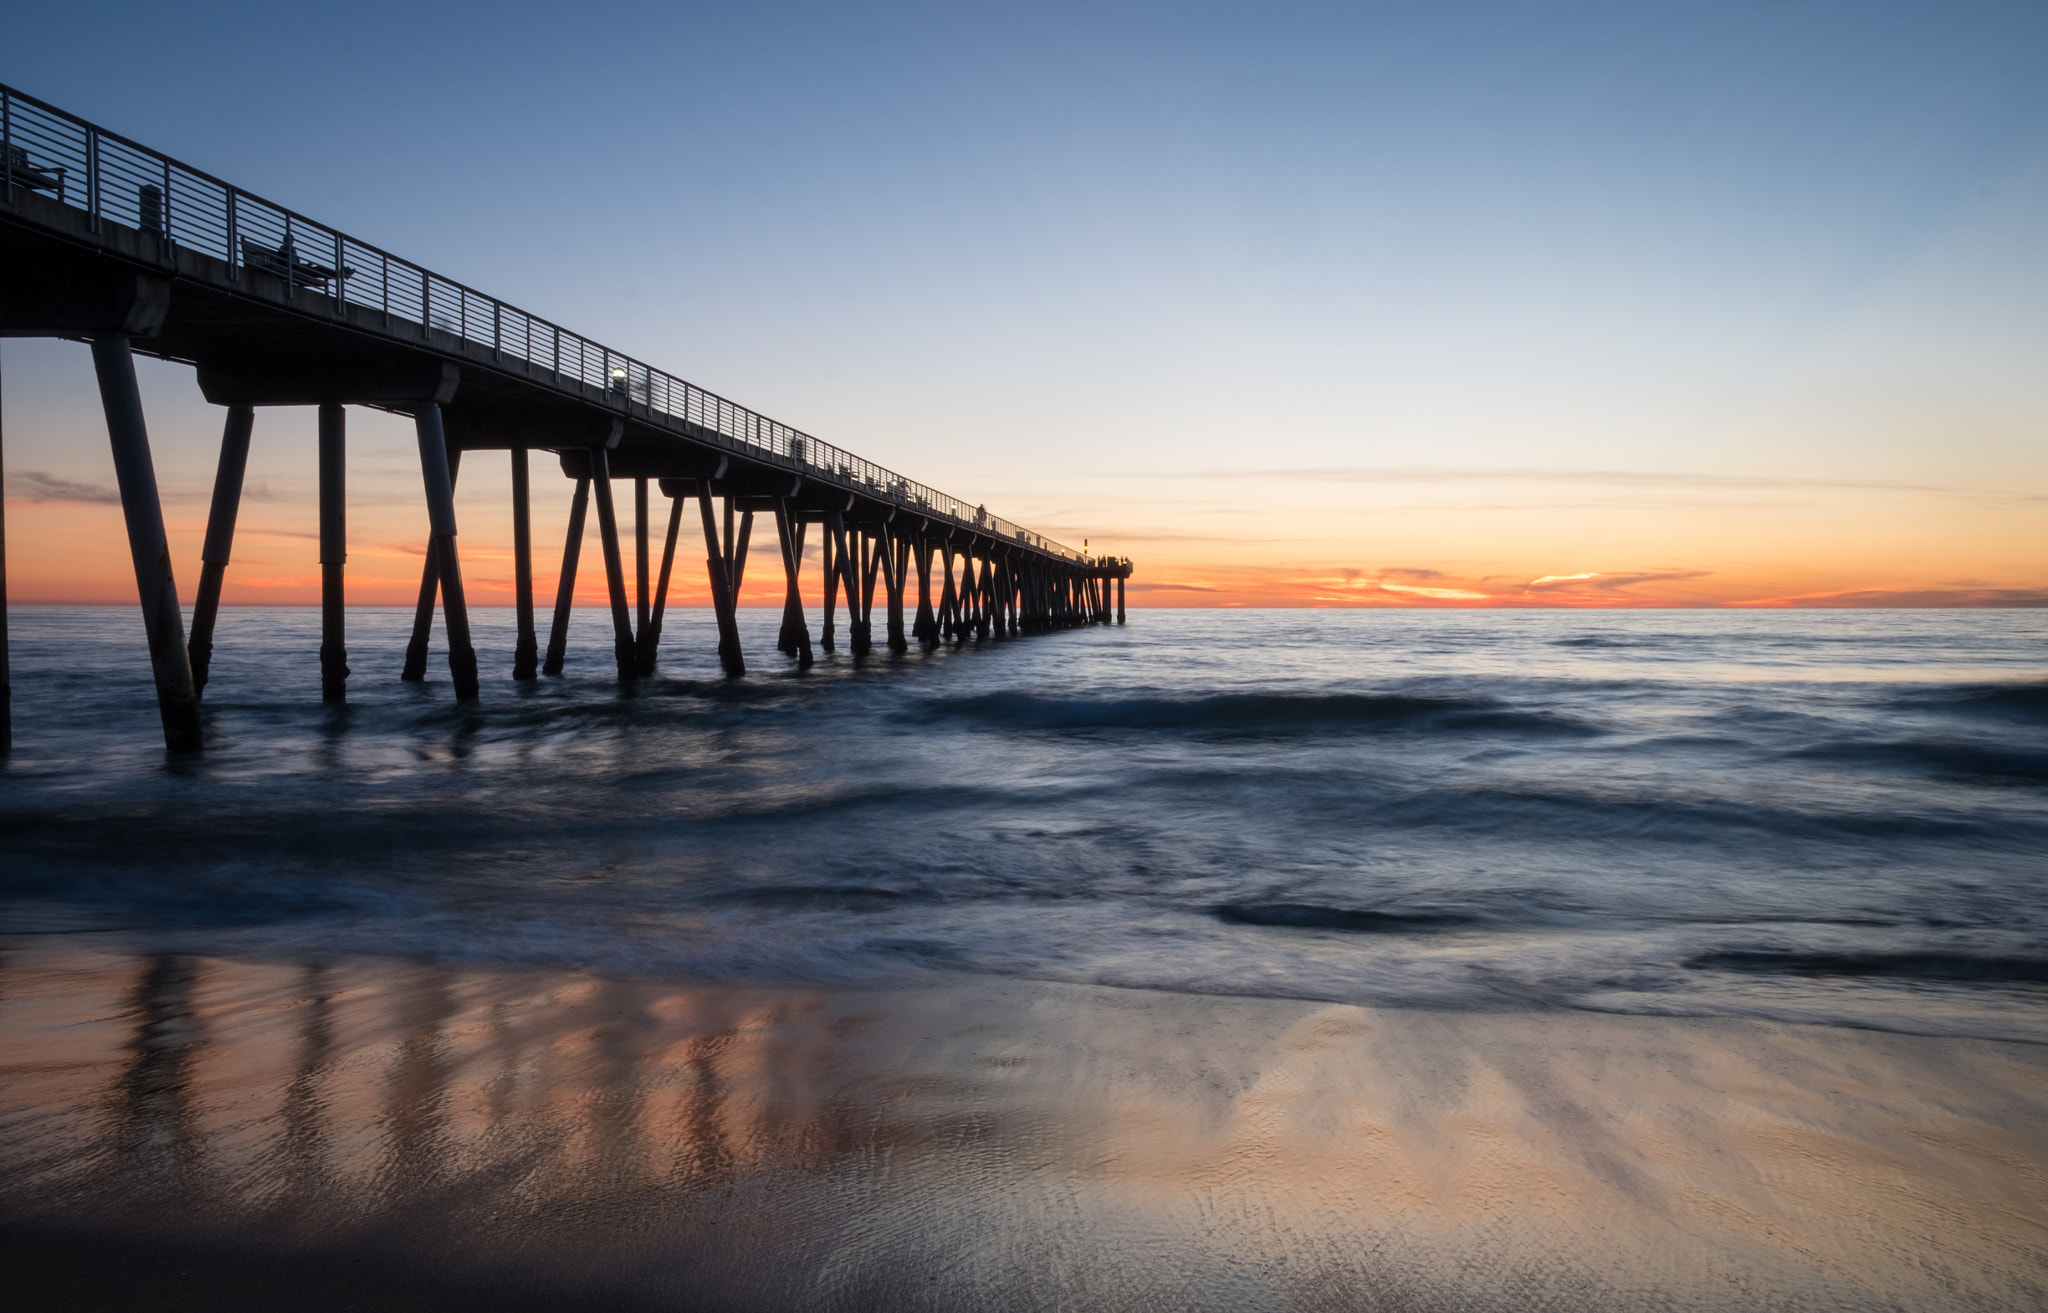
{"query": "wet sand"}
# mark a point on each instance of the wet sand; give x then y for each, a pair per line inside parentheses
(184, 1132)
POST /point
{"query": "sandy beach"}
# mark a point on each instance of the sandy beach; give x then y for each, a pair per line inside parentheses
(385, 1134)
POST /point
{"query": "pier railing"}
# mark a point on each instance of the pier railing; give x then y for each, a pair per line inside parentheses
(45, 150)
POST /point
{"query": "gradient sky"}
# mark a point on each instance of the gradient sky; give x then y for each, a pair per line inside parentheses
(1448, 303)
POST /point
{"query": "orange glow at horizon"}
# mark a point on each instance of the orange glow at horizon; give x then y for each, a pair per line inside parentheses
(1456, 537)
(75, 551)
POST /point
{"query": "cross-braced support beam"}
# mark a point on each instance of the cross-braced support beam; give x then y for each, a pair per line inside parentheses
(848, 574)
(650, 633)
(565, 587)
(723, 570)
(220, 536)
(871, 545)
(623, 648)
(795, 637)
(439, 477)
(177, 695)
(430, 584)
(895, 565)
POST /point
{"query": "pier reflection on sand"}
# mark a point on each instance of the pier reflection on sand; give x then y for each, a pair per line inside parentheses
(1011, 1145)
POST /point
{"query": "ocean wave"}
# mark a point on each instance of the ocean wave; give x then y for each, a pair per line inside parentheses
(1933, 756)
(1908, 964)
(1272, 713)
(819, 898)
(1306, 916)
(2023, 702)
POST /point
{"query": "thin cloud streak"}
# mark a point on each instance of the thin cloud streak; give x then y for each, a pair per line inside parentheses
(38, 486)
(1615, 478)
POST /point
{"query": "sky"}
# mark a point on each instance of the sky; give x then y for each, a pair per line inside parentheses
(1451, 304)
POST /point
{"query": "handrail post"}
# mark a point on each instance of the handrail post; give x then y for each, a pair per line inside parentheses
(169, 249)
(92, 178)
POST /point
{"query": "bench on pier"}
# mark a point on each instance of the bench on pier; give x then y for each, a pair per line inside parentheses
(284, 262)
(35, 177)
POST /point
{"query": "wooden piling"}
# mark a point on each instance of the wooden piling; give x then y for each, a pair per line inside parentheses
(827, 555)
(926, 628)
(430, 581)
(985, 620)
(614, 565)
(948, 600)
(643, 612)
(220, 537)
(333, 464)
(871, 549)
(722, 590)
(841, 572)
(526, 650)
(565, 587)
(650, 633)
(736, 559)
(438, 473)
(795, 637)
(895, 564)
(177, 696)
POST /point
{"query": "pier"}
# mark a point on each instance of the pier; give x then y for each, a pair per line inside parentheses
(105, 241)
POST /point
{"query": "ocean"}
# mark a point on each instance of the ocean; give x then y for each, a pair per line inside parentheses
(1833, 817)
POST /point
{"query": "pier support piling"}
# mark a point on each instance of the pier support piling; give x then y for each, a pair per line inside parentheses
(795, 638)
(333, 553)
(828, 557)
(565, 587)
(623, 648)
(650, 635)
(724, 588)
(895, 566)
(430, 582)
(871, 547)
(526, 650)
(949, 620)
(438, 474)
(641, 579)
(177, 696)
(220, 537)
(925, 628)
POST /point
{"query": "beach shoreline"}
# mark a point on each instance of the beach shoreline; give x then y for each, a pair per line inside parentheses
(992, 1143)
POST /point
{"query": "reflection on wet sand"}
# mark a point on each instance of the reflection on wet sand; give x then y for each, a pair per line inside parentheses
(997, 1145)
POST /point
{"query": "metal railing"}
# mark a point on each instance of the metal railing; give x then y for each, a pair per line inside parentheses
(45, 150)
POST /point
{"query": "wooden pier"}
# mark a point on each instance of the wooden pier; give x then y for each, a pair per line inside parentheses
(105, 241)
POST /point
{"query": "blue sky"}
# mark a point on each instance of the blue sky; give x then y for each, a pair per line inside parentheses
(997, 246)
